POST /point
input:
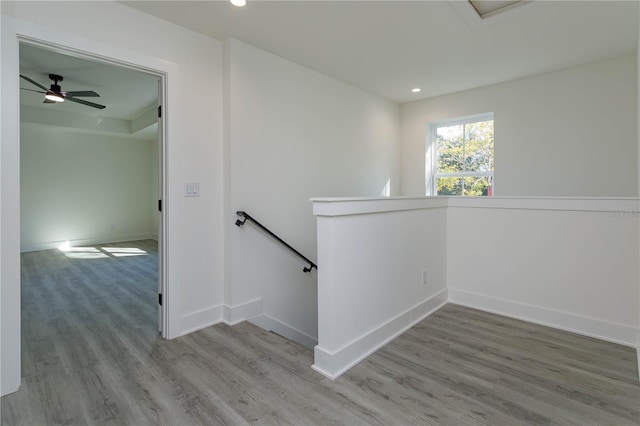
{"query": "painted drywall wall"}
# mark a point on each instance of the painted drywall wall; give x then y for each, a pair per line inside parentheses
(571, 266)
(566, 133)
(293, 134)
(569, 263)
(193, 65)
(82, 188)
(383, 266)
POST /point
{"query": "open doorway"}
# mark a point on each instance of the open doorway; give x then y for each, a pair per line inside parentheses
(91, 175)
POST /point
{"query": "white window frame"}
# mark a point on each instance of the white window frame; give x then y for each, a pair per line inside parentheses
(431, 156)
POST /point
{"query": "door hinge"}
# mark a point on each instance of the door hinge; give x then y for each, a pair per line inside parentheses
(160, 299)
(159, 111)
(159, 205)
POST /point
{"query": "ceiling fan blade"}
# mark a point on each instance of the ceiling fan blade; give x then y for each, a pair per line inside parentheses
(83, 102)
(35, 83)
(31, 90)
(85, 93)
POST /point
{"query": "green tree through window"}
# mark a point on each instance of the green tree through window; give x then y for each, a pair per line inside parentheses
(464, 158)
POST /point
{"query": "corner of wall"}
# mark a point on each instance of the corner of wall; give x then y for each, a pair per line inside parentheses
(333, 364)
(198, 320)
(226, 169)
(10, 367)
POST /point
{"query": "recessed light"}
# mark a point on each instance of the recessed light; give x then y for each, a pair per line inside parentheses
(238, 3)
(415, 89)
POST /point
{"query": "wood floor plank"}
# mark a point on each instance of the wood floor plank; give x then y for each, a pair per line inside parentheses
(92, 355)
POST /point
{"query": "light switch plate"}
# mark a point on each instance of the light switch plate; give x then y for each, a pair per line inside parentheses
(192, 189)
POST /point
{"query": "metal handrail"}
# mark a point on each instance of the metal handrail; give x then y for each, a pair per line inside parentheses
(247, 216)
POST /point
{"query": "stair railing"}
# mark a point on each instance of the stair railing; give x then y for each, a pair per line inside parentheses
(245, 216)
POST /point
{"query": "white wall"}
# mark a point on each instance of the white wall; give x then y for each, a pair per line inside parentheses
(568, 263)
(372, 254)
(568, 266)
(193, 65)
(566, 133)
(83, 188)
(293, 134)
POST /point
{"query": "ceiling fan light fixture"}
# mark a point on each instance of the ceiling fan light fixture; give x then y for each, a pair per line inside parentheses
(238, 3)
(52, 96)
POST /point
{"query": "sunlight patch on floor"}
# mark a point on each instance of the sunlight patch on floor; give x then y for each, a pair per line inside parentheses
(99, 252)
(124, 251)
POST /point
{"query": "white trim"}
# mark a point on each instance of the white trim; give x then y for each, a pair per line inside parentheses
(638, 356)
(233, 315)
(88, 241)
(352, 206)
(614, 206)
(621, 206)
(464, 174)
(473, 20)
(252, 311)
(604, 330)
(10, 354)
(334, 364)
(200, 319)
(15, 30)
(431, 151)
(283, 329)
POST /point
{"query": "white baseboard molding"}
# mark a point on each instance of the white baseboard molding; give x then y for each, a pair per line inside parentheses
(252, 311)
(592, 327)
(236, 314)
(87, 241)
(230, 315)
(200, 319)
(334, 364)
(285, 330)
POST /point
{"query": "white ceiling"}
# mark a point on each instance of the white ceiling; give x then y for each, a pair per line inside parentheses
(389, 47)
(126, 93)
(385, 47)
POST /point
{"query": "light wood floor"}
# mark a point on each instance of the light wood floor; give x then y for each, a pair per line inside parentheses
(91, 355)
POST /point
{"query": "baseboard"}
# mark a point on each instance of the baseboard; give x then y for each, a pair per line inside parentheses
(201, 319)
(334, 364)
(283, 329)
(86, 242)
(233, 315)
(252, 311)
(592, 327)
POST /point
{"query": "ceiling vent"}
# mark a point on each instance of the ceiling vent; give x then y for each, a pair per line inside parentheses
(487, 8)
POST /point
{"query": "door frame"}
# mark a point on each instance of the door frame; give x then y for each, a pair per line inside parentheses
(15, 31)
(162, 326)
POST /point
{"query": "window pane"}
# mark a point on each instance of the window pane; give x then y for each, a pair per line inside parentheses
(449, 186)
(450, 140)
(477, 186)
(479, 146)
